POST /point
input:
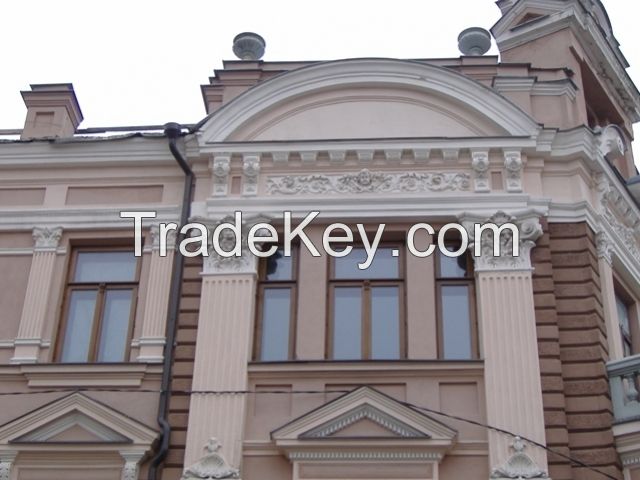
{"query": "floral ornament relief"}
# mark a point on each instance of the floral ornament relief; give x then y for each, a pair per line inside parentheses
(366, 181)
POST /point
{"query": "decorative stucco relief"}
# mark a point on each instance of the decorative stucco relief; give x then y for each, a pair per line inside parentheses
(529, 228)
(605, 246)
(47, 238)
(216, 264)
(513, 165)
(211, 465)
(220, 168)
(621, 217)
(251, 171)
(519, 466)
(366, 181)
(480, 165)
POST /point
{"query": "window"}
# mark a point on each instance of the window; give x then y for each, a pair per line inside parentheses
(366, 312)
(625, 325)
(456, 300)
(276, 308)
(99, 304)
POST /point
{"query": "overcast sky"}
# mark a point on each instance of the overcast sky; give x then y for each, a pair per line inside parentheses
(142, 62)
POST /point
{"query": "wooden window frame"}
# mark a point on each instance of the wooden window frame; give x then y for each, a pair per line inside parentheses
(467, 281)
(264, 284)
(365, 321)
(101, 288)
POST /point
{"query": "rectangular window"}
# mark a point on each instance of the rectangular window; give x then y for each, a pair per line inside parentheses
(625, 325)
(456, 302)
(366, 314)
(276, 308)
(100, 302)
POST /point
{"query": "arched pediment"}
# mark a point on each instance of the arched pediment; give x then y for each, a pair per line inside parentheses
(367, 98)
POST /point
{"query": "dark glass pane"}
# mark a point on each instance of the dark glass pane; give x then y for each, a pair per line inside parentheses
(385, 323)
(453, 267)
(77, 337)
(623, 315)
(347, 323)
(384, 265)
(456, 323)
(276, 312)
(115, 326)
(102, 267)
(279, 267)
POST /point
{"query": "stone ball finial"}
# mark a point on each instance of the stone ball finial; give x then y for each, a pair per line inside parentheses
(249, 46)
(474, 41)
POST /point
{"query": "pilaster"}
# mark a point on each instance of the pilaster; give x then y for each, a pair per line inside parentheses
(152, 339)
(223, 346)
(604, 245)
(508, 340)
(36, 302)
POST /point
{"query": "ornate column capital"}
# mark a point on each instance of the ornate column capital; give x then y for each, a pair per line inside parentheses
(246, 262)
(46, 239)
(154, 230)
(6, 464)
(130, 468)
(529, 230)
(604, 245)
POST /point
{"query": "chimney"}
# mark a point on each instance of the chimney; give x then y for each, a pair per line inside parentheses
(52, 111)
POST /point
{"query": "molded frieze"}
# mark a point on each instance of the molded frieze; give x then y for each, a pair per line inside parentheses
(367, 181)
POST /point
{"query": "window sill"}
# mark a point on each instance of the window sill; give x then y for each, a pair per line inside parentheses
(57, 375)
(375, 367)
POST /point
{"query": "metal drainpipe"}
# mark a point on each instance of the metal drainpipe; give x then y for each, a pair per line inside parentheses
(172, 131)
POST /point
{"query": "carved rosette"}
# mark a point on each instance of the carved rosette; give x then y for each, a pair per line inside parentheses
(251, 172)
(480, 166)
(519, 466)
(211, 465)
(366, 181)
(513, 165)
(47, 239)
(529, 229)
(220, 168)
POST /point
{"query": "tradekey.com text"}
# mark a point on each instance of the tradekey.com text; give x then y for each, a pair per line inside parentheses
(262, 239)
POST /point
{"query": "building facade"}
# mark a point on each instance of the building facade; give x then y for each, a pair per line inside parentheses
(175, 365)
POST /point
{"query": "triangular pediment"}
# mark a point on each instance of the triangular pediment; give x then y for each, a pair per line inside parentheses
(362, 414)
(74, 427)
(75, 420)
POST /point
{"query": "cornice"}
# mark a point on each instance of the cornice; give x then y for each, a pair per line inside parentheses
(82, 218)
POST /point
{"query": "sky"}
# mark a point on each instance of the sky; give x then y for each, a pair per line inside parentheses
(142, 62)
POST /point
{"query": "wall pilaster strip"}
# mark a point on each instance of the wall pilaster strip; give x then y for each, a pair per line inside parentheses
(36, 302)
